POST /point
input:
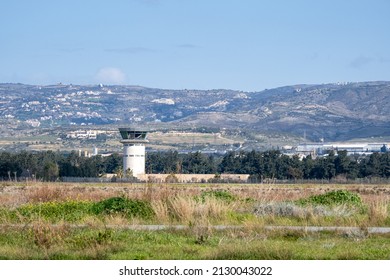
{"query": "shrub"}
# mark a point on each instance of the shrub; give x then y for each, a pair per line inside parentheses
(45, 234)
(288, 209)
(279, 209)
(171, 178)
(70, 211)
(333, 198)
(218, 194)
(123, 205)
(45, 194)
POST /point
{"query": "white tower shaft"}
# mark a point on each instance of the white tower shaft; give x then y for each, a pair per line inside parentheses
(134, 158)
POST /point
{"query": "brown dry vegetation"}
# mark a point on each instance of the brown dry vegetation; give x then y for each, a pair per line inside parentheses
(14, 194)
(174, 202)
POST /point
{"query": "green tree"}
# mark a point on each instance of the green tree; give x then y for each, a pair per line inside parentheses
(295, 169)
(128, 173)
(230, 163)
(342, 162)
(372, 166)
(7, 164)
(270, 163)
(385, 165)
(50, 171)
(307, 167)
(331, 169)
(197, 163)
(112, 162)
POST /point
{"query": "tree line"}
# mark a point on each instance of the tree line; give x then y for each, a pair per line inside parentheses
(49, 165)
(273, 164)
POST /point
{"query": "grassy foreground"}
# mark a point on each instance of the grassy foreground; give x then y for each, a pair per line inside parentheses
(62, 221)
(43, 242)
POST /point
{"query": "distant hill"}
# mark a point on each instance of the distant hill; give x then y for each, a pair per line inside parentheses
(331, 111)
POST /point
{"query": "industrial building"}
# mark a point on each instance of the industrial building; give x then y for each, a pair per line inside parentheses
(351, 148)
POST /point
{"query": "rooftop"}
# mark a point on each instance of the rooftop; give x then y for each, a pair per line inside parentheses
(129, 133)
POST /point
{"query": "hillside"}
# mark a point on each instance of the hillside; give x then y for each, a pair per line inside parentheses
(331, 111)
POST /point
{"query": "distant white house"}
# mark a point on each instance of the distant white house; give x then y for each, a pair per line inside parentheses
(33, 122)
(82, 134)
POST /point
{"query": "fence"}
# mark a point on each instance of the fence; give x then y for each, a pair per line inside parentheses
(195, 179)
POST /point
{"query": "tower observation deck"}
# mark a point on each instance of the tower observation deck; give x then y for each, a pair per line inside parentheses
(133, 141)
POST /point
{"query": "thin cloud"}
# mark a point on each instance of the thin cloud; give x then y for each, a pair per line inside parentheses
(130, 50)
(360, 61)
(71, 50)
(382, 59)
(188, 46)
(110, 75)
(314, 56)
(148, 2)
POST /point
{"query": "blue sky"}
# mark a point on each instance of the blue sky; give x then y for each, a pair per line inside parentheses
(245, 45)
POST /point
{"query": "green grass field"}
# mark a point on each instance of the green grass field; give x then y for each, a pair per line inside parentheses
(46, 242)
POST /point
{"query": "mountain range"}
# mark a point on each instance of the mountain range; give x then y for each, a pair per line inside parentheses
(337, 111)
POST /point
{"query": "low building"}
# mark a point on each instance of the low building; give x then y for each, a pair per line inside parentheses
(351, 148)
(193, 178)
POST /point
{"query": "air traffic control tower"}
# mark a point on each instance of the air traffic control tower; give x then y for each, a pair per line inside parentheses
(133, 141)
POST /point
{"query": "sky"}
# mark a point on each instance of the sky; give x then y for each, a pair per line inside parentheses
(247, 45)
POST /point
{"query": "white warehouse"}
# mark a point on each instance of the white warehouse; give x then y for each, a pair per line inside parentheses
(351, 148)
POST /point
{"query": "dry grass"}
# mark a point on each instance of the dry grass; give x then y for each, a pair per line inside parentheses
(182, 208)
(187, 210)
(17, 194)
(46, 235)
(11, 200)
(175, 203)
(36, 191)
(161, 210)
(378, 211)
(45, 194)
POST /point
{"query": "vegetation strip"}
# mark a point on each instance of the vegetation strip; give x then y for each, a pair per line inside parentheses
(263, 167)
(371, 230)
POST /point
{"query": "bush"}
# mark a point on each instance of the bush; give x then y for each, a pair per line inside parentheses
(333, 198)
(69, 211)
(171, 178)
(123, 205)
(73, 211)
(219, 195)
(288, 209)
(279, 209)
